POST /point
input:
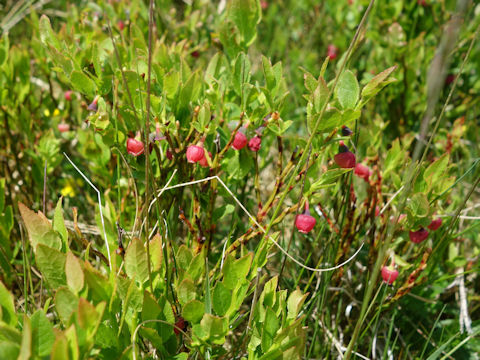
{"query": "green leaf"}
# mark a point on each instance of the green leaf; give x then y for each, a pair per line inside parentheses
(182, 356)
(130, 293)
(161, 309)
(47, 36)
(261, 254)
(212, 328)
(245, 14)
(350, 115)
(242, 74)
(154, 311)
(197, 267)
(310, 82)
(99, 287)
(74, 273)
(39, 229)
(186, 291)
(96, 59)
(73, 342)
(419, 205)
(9, 333)
(237, 164)
(83, 83)
(106, 336)
(89, 316)
(184, 257)
(269, 291)
(235, 271)
(193, 311)
(294, 303)
(347, 90)
(395, 156)
(208, 294)
(134, 82)
(319, 96)
(269, 329)
(9, 350)
(42, 334)
(203, 117)
(270, 80)
(327, 178)
(60, 348)
(378, 82)
(222, 211)
(213, 68)
(51, 264)
(150, 308)
(136, 265)
(191, 90)
(2, 195)
(26, 346)
(332, 118)
(156, 254)
(62, 62)
(66, 303)
(436, 170)
(59, 223)
(7, 313)
(221, 299)
(4, 49)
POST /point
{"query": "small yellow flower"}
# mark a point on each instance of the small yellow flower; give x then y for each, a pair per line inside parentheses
(69, 188)
(46, 112)
(56, 112)
(68, 191)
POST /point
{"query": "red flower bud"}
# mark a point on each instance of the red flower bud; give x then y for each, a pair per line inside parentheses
(68, 95)
(362, 171)
(179, 324)
(345, 159)
(418, 236)
(134, 146)
(435, 224)
(332, 51)
(195, 153)
(239, 141)
(121, 25)
(389, 274)
(62, 127)
(203, 162)
(305, 222)
(255, 143)
(449, 79)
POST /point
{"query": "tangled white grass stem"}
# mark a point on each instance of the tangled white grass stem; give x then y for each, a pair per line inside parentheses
(166, 187)
(99, 205)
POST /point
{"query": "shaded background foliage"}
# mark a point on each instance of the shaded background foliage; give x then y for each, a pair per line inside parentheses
(405, 34)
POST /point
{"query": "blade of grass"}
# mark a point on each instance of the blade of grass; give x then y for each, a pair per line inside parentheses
(146, 132)
(412, 173)
(431, 331)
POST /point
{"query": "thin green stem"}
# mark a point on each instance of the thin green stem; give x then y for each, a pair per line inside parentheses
(412, 172)
(317, 122)
(146, 137)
